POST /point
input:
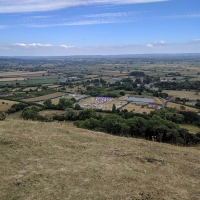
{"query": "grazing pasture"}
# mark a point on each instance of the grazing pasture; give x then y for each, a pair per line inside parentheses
(191, 95)
(137, 108)
(5, 104)
(21, 73)
(30, 88)
(42, 80)
(191, 128)
(178, 107)
(42, 98)
(55, 100)
(52, 86)
(50, 113)
(14, 82)
(12, 79)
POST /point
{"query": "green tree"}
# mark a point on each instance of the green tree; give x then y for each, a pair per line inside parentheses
(70, 114)
(73, 100)
(122, 93)
(30, 113)
(48, 103)
(138, 126)
(114, 108)
(114, 124)
(64, 103)
(90, 124)
(77, 107)
(86, 114)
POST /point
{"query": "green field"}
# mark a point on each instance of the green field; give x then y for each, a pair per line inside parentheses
(191, 128)
(42, 80)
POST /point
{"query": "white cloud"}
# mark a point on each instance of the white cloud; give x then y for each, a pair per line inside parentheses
(20, 44)
(186, 16)
(103, 18)
(38, 45)
(91, 19)
(67, 47)
(33, 45)
(117, 14)
(160, 43)
(37, 49)
(13, 6)
(76, 23)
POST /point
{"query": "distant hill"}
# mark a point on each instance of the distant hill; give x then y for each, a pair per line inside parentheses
(58, 161)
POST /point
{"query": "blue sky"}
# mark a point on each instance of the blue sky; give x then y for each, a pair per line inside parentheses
(98, 27)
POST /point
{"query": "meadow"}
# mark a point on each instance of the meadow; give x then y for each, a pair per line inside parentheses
(191, 95)
(137, 108)
(15, 73)
(5, 104)
(55, 100)
(50, 113)
(178, 107)
(191, 128)
(12, 79)
(42, 80)
(42, 98)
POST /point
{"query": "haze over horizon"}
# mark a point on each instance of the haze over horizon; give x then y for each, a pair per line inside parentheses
(98, 27)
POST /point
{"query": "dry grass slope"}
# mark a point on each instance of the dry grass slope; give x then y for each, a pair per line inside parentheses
(6, 104)
(58, 161)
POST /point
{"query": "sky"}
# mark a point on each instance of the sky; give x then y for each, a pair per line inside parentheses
(98, 27)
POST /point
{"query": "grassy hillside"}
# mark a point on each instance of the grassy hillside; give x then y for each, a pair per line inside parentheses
(58, 161)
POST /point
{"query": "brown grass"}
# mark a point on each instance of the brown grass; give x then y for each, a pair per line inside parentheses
(157, 100)
(12, 79)
(16, 115)
(183, 94)
(5, 104)
(41, 98)
(51, 113)
(21, 73)
(58, 161)
(177, 106)
(31, 88)
(137, 108)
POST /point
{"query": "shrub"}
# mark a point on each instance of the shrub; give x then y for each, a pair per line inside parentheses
(2, 116)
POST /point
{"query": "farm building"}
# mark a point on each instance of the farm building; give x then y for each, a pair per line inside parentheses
(154, 106)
